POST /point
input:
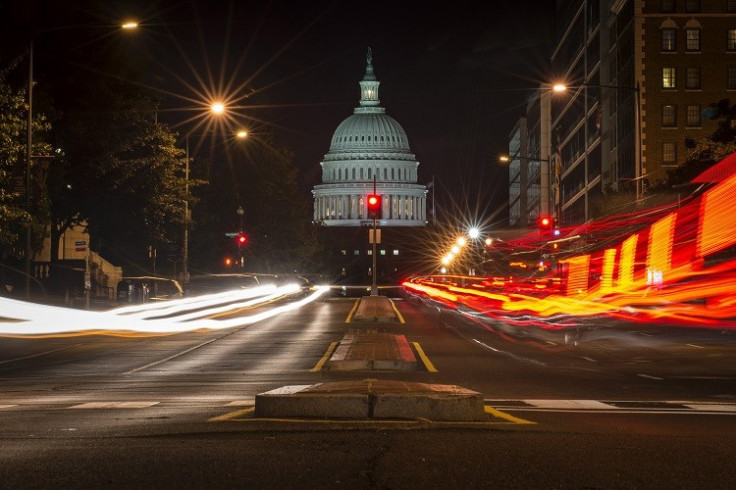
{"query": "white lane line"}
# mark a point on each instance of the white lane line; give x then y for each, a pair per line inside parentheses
(696, 346)
(7, 406)
(242, 403)
(650, 377)
(571, 404)
(712, 407)
(102, 405)
(38, 355)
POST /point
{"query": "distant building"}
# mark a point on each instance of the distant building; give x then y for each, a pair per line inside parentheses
(369, 150)
(638, 74)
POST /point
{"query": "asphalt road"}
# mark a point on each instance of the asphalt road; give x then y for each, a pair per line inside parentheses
(601, 406)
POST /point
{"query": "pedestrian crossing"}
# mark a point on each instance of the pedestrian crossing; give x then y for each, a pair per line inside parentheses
(613, 406)
(507, 405)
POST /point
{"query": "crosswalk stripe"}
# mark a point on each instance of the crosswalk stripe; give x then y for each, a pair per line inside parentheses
(102, 405)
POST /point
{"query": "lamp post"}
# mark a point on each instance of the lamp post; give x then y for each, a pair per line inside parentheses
(639, 165)
(216, 108)
(29, 149)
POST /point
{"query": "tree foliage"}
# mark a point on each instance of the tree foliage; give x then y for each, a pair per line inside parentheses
(13, 147)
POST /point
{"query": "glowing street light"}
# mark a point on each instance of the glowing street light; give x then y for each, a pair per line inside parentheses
(242, 134)
(130, 25)
(474, 233)
(217, 107)
(461, 241)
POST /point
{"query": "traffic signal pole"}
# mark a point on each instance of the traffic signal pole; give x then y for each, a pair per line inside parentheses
(374, 286)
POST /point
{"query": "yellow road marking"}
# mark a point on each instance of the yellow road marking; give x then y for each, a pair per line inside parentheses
(427, 363)
(505, 416)
(352, 312)
(396, 310)
(232, 415)
(327, 355)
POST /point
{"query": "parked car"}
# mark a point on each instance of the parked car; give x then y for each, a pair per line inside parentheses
(148, 288)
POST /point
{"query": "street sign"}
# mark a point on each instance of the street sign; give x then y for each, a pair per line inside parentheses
(80, 246)
(232, 234)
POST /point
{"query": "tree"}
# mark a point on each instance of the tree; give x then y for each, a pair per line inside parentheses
(13, 212)
(705, 152)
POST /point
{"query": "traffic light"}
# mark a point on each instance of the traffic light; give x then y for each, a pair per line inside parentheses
(545, 222)
(374, 206)
(242, 239)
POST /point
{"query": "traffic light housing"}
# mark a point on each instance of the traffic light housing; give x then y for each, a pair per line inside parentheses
(545, 222)
(373, 205)
(241, 239)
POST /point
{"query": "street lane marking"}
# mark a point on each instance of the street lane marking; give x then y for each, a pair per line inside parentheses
(352, 312)
(7, 406)
(506, 416)
(711, 407)
(39, 355)
(427, 363)
(696, 346)
(650, 377)
(396, 310)
(570, 404)
(99, 405)
(325, 358)
(242, 403)
(187, 351)
(232, 415)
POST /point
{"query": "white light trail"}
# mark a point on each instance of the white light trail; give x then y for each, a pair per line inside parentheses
(22, 318)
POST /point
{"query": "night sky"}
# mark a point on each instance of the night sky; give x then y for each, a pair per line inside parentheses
(455, 75)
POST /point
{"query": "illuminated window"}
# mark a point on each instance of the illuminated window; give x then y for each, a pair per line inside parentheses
(669, 40)
(731, 45)
(343, 252)
(669, 115)
(396, 252)
(369, 252)
(669, 77)
(669, 153)
(731, 79)
(692, 37)
(383, 252)
(692, 78)
(693, 116)
(356, 252)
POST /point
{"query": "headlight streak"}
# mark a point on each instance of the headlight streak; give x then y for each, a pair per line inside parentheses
(30, 319)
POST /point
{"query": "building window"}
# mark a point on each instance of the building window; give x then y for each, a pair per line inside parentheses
(396, 252)
(692, 79)
(692, 6)
(669, 77)
(731, 82)
(669, 40)
(356, 252)
(669, 115)
(668, 5)
(383, 252)
(731, 46)
(693, 116)
(731, 5)
(692, 37)
(669, 153)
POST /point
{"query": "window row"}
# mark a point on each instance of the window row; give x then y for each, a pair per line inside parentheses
(692, 40)
(693, 6)
(692, 78)
(693, 116)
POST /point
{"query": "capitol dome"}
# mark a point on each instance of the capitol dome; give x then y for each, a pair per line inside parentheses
(369, 150)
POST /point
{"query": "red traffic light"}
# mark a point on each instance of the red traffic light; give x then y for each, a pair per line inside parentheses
(374, 206)
(545, 222)
(242, 239)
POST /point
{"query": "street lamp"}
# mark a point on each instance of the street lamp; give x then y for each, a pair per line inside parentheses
(216, 108)
(29, 148)
(639, 167)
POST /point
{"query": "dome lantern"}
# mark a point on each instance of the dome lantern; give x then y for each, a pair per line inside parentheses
(369, 84)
